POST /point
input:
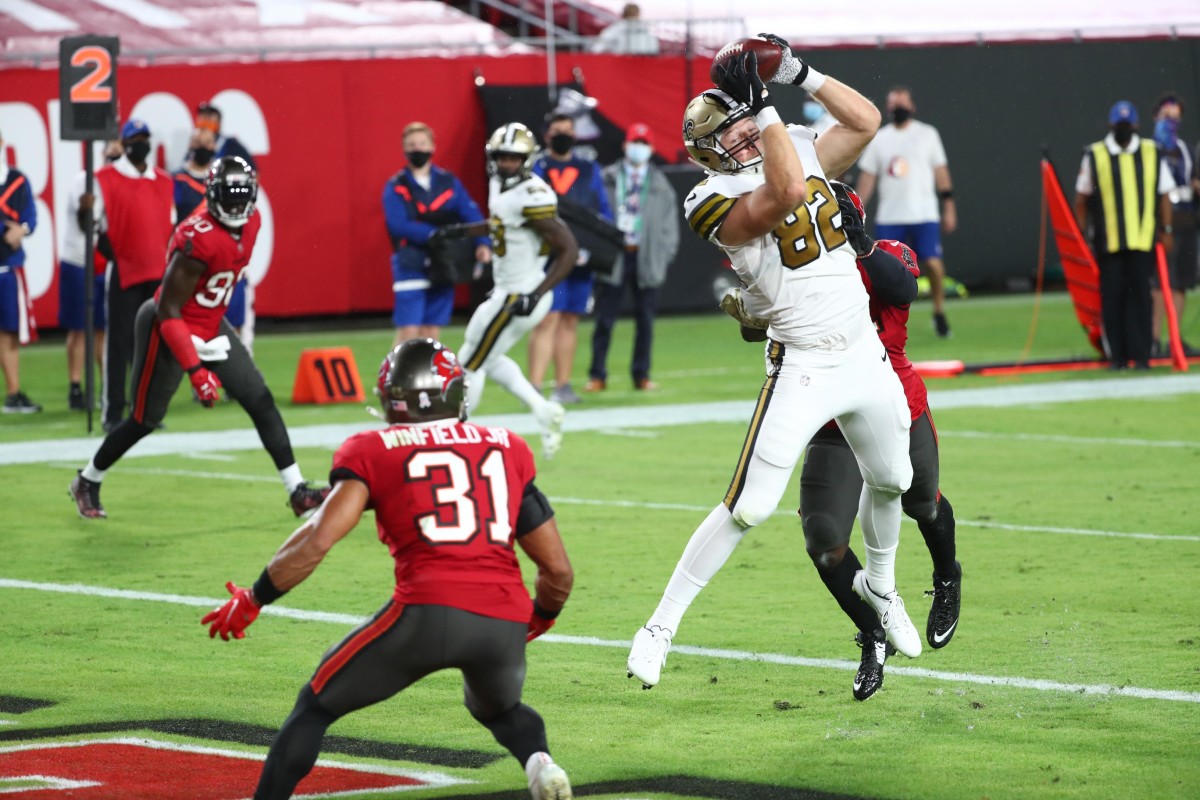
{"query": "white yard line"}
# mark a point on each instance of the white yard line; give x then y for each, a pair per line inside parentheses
(589, 641)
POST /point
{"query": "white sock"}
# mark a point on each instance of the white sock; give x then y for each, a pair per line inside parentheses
(476, 380)
(508, 374)
(535, 763)
(92, 474)
(706, 552)
(879, 513)
(291, 477)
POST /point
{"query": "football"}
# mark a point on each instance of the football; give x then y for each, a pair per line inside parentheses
(769, 56)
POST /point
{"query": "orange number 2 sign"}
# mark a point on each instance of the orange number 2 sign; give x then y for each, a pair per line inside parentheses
(88, 88)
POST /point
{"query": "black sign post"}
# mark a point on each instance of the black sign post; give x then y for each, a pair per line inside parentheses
(87, 81)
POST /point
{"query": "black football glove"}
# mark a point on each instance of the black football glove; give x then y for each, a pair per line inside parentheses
(740, 80)
(856, 231)
(523, 304)
(791, 69)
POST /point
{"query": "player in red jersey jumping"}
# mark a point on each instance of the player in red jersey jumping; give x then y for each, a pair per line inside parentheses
(182, 329)
(450, 498)
(830, 481)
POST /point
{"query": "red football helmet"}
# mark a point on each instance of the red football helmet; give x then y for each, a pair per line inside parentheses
(421, 381)
(849, 201)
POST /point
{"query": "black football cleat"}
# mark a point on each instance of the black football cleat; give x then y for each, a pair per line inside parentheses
(306, 498)
(941, 327)
(875, 650)
(86, 495)
(943, 614)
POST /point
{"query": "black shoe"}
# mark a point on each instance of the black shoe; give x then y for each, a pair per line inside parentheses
(86, 495)
(1158, 351)
(307, 498)
(18, 403)
(941, 327)
(943, 614)
(75, 399)
(875, 650)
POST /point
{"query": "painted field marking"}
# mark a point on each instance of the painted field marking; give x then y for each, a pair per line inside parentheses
(590, 641)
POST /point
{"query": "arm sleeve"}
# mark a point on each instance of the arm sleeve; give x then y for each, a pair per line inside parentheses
(602, 204)
(350, 463)
(535, 511)
(399, 224)
(705, 216)
(891, 280)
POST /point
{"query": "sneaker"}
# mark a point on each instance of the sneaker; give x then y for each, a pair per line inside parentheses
(548, 780)
(890, 608)
(941, 327)
(565, 395)
(551, 419)
(645, 385)
(306, 498)
(18, 403)
(943, 614)
(75, 398)
(648, 655)
(875, 650)
(86, 495)
(595, 385)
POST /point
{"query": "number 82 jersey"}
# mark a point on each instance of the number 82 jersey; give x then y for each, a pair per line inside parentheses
(225, 257)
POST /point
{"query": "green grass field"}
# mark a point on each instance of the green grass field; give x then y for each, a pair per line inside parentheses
(1075, 672)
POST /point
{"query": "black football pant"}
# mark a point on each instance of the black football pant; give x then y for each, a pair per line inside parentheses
(608, 308)
(119, 344)
(391, 651)
(1125, 304)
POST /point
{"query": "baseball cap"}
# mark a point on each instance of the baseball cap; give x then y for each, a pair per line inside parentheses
(1123, 112)
(640, 131)
(134, 127)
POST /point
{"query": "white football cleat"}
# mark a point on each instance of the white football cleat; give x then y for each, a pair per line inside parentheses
(892, 617)
(648, 655)
(551, 419)
(547, 780)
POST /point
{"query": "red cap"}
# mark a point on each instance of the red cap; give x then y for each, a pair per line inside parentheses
(640, 131)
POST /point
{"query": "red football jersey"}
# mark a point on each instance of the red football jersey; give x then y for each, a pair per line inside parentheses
(892, 324)
(446, 496)
(226, 256)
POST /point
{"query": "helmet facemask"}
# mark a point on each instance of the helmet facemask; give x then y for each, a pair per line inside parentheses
(231, 191)
(707, 118)
(513, 139)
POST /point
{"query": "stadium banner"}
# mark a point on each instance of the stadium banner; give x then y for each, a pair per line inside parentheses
(326, 137)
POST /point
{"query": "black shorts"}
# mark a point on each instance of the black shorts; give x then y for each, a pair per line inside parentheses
(402, 644)
(830, 484)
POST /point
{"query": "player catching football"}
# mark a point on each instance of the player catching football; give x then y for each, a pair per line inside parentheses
(524, 226)
(449, 499)
(183, 330)
(768, 204)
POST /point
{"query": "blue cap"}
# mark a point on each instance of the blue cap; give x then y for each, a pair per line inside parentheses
(134, 127)
(1123, 112)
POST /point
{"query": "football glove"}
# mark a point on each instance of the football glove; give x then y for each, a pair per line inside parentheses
(538, 626)
(856, 232)
(734, 304)
(791, 69)
(523, 304)
(740, 80)
(207, 386)
(235, 616)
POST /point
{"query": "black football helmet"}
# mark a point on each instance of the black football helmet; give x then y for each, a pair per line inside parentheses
(422, 381)
(232, 190)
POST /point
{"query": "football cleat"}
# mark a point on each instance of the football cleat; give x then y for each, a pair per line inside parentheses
(306, 498)
(648, 655)
(551, 419)
(892, 616)
(875, 650)
(941, 327)
(86, 495)
(943, 614)
(549, 780)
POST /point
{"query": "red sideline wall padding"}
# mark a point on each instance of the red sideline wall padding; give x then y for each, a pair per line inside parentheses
(326, 135)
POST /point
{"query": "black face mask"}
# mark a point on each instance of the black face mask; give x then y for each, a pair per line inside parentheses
(901, 115)
(561, 143)
(418, 158)
(202, 155)
(1123, 133)
(137, 151)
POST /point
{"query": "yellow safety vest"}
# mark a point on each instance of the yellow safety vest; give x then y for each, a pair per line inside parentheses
(1127, 188)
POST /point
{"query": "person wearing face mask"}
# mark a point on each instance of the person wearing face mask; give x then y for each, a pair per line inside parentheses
(1127, 217)
(646, 213)
(575, 178)
(907, 163)
(134, 205)
(1182, 266)
(416, 201)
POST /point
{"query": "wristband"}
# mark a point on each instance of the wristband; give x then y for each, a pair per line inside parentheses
(264, 589)
(175, 333)
(946, 194)
(768, 116)
(538, 611)
(809, 79)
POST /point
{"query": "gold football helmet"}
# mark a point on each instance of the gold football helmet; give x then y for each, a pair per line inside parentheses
(512, 139)
(709, 115)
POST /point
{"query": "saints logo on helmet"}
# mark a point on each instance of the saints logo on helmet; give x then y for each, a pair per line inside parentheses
(231, 191)
(513, 139)
(422, 381)
(706, 119)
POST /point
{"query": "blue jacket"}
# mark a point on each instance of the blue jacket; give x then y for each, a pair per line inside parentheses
(576, 178)
(412, 213)
(16, 204)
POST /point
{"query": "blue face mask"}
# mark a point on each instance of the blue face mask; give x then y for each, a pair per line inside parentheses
(1166, 132)
(638, 152)
(813, 111)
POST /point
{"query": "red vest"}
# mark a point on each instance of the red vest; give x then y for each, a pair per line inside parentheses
(139, 222)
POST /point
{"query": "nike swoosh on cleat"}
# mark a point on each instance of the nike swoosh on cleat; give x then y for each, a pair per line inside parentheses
(939, 639)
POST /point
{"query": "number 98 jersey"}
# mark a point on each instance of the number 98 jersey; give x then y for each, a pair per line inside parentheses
(802, 276)
(225, 257)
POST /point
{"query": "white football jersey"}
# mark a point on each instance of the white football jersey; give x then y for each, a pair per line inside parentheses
(803, 275)
(518, 252)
